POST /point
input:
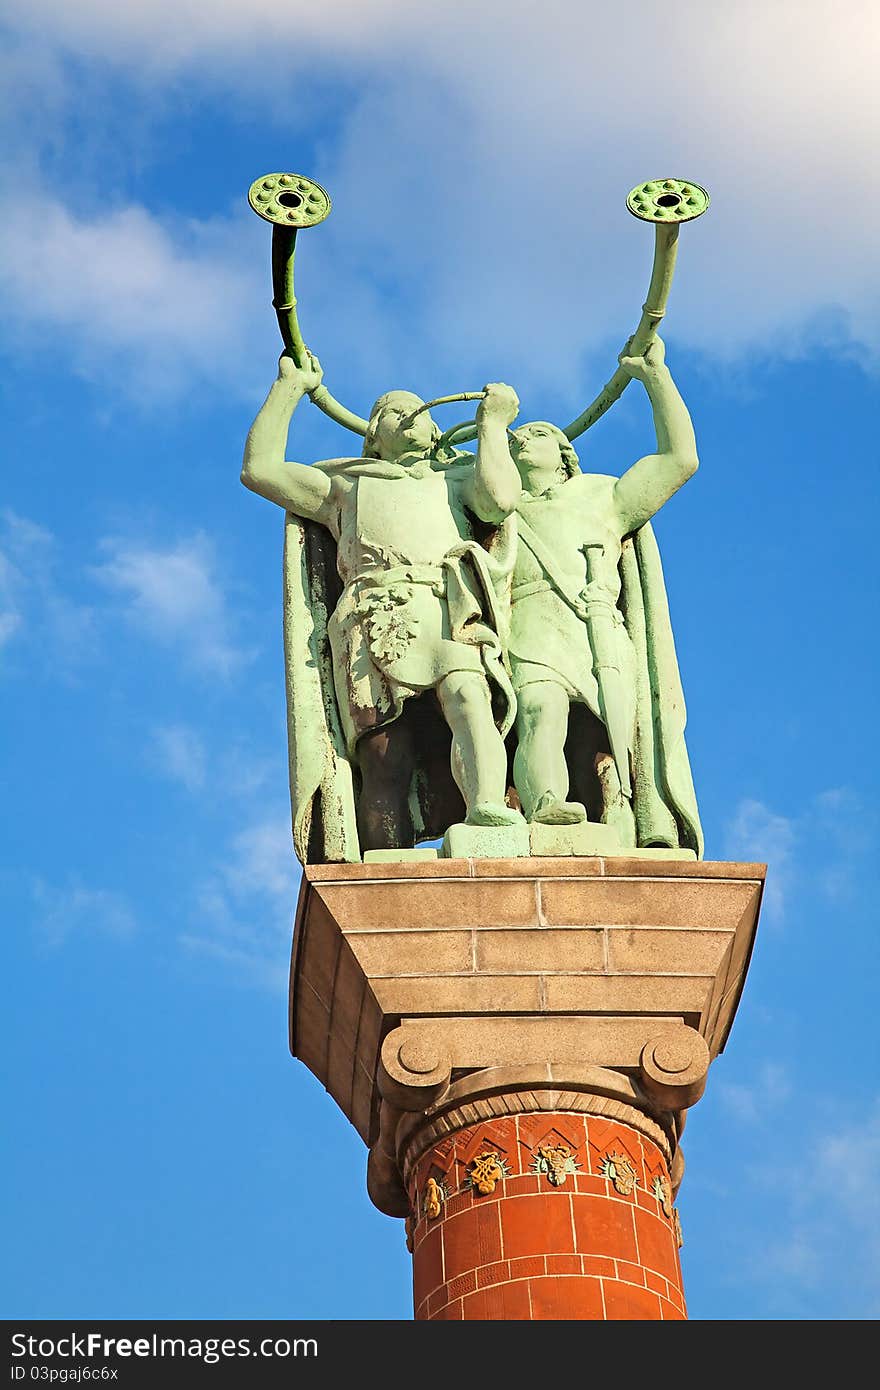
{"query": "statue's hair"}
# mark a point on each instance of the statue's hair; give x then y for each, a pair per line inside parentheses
(369, 450)
(570, 460)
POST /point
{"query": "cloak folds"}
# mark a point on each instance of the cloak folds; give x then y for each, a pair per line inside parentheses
(321, 773)
(362, 629)
(663, 783)
(664, 803)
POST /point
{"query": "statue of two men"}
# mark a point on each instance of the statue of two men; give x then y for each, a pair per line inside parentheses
(479, 594)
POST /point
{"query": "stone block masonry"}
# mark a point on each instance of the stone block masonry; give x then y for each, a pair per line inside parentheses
(517, 1042)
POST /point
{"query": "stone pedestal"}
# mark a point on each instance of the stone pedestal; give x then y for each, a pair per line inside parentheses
(517, 1042)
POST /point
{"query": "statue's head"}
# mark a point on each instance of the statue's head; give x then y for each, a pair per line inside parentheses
(543, 456)
(395, 429)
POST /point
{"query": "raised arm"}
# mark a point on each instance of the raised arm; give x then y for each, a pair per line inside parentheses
(493, 491)
(295, 486)
(653, 479)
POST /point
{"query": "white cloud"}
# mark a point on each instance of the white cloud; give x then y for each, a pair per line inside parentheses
(234, 773)
(33, 603)
(262, 861)
(11, 584)
(759, 835)
(156, 34)
(486, 159)
(850, 1160)
(750, 1104)
(160, 306)
(245, 909)
(175, 596)
(245, 771)
(833, 1215)
(26, 558)
(171, 593)
(249, 962)
(805, 1181)
(819, 851)
(78, 909)
(179, 753)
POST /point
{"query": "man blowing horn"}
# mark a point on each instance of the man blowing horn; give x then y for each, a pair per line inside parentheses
(416, 628)
(592, 658)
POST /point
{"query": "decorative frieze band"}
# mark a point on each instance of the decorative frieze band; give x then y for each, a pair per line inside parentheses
(416, 1135)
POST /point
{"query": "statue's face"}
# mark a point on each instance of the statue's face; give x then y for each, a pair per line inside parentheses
(398, 432)
(536, 451)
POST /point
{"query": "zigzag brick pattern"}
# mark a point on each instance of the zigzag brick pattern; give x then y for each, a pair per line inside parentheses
(532, 1250)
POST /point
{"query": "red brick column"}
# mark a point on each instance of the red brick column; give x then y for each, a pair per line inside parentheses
(576, 1222)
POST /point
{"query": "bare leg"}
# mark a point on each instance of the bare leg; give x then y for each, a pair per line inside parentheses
(616, 808)
(385, 758)
(479, 759)
(540, 771)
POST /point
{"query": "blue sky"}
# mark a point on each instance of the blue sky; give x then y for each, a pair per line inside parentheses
(169, 1160)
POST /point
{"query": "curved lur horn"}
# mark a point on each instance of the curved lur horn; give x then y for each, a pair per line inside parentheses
(667, 203)
(290, 202)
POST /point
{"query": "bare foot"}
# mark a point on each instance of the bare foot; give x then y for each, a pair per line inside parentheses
(550, 811)
(492, 813)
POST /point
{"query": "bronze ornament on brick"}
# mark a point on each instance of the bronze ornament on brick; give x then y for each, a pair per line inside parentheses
(485, 1171)
(433, 1199)
(662, 1189)
(557, 1161)
(620, 1172)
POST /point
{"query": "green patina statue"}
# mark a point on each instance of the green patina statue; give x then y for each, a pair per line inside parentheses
(473, 638)
(599, 702)
(424, 552)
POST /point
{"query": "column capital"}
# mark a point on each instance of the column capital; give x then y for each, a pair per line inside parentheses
(429, 995)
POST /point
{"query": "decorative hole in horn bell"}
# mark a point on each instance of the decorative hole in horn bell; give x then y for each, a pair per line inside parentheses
(668, 200)
(289, 200)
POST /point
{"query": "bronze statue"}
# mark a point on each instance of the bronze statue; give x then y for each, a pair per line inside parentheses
(439, 602)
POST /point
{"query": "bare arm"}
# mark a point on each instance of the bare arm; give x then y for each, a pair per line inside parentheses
(493, 491)
(653, 479)
(295, 486)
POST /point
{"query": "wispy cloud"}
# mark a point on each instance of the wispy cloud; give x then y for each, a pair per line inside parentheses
(846, 829)
(11, 584)
(77, 909)
(833, 1215)
(816, 851)
(127, 289)
(235, 773)
(759, 835)
(851, 1160)
(33, 600)
(178, 751)
(161, 34)
(172, 593)
(245, 908)
(749, 1104)
(553, 142)
(175, 596)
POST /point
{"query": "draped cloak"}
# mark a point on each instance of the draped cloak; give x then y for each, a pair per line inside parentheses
(554, 643)
(353, 657)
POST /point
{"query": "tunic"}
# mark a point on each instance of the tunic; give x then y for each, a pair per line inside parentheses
(549, 641)
(420, 599)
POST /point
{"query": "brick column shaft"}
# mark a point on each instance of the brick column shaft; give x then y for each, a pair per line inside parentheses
(577, 1224)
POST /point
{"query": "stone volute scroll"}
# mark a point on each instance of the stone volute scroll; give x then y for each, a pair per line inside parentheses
(512, 966)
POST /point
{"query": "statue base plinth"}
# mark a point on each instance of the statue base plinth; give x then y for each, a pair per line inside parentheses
(586, 840)
(464, 841)
(435, 998)
(582, 839)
